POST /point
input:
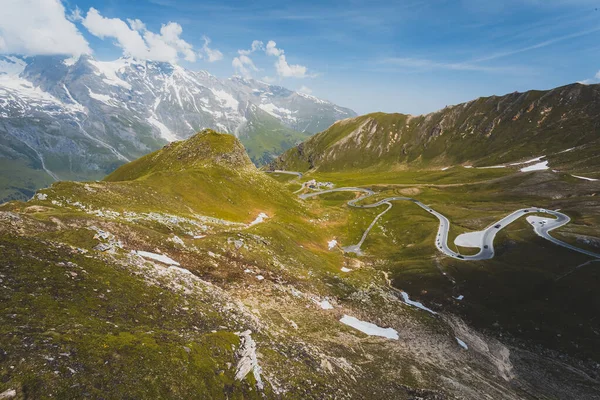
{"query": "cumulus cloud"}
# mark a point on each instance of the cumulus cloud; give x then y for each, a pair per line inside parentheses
(284, 69)
(256, 45)
(272, 49)
(137, 41)
(243, 65)
(39, 27)
(211, 55)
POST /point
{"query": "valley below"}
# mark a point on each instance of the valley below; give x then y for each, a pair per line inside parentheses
(190, 273)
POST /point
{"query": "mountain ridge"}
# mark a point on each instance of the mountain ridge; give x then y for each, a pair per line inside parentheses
(79, 119)
(483, 132)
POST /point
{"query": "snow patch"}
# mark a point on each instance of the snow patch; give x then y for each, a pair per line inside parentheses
(344, 269)
(369, 328)
(584, 178)
(331, 244)
(529, 161)
(325, 305)
(157, 257)
(408, 301)
(536, 167)
(165, 132)
(109, 70)
(462, 344)
(226, 99)
(261, 218)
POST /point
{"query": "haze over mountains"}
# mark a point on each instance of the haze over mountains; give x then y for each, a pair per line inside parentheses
(79, 118)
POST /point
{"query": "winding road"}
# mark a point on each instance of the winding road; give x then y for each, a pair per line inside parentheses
(541, 226)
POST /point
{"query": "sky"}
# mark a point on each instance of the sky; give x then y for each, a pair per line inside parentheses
(408, 56)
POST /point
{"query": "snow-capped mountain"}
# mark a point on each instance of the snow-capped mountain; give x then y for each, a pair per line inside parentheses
(80, 118)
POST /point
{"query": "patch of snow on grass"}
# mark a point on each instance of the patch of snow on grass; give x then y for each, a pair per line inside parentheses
(332, 243)
(325, 305)
(369, 328)
(584, 178)
(536, 167)
(446, 168)
(408, 301)
(344, 269)
(157, 257)
(529, 161)
(462, 344)
(261, 218)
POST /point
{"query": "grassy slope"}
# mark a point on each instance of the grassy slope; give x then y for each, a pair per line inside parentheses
(105, 333)
(484, 132)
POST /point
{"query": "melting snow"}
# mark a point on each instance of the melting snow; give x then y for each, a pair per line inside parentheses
(226, 99)
(369, 328)
(332, 243)
(445, 168)
(261, 218)
(325, 305)
(462, 344)
(344, 269)
(536, 167)
(584, 178)
(157, 257)
(109, 70)
(460, 297)
(277, 112)
(529, 161)
(101, 97)
(407, 300)
(165, 133)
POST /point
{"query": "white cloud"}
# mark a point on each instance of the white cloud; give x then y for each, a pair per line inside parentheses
(36, 27)
(272, 49)
(212, 55)
(256, 45)
(304, 89)
(284, 69)
(136, 24)
(137, 41)
(243, 65)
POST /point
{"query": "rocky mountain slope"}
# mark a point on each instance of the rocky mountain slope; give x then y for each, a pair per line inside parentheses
(562, 124)
(189, 273)
(76, 119)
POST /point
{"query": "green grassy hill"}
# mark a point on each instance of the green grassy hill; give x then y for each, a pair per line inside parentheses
(245, 293)
(484, 132)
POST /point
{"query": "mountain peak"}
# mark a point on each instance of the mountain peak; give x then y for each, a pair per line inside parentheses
(205, 149)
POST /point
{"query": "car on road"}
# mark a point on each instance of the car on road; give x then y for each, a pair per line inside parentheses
(497, 226)
(486, 246)
(461, 257)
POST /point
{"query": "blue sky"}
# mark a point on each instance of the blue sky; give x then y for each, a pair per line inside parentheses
(409, 56)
